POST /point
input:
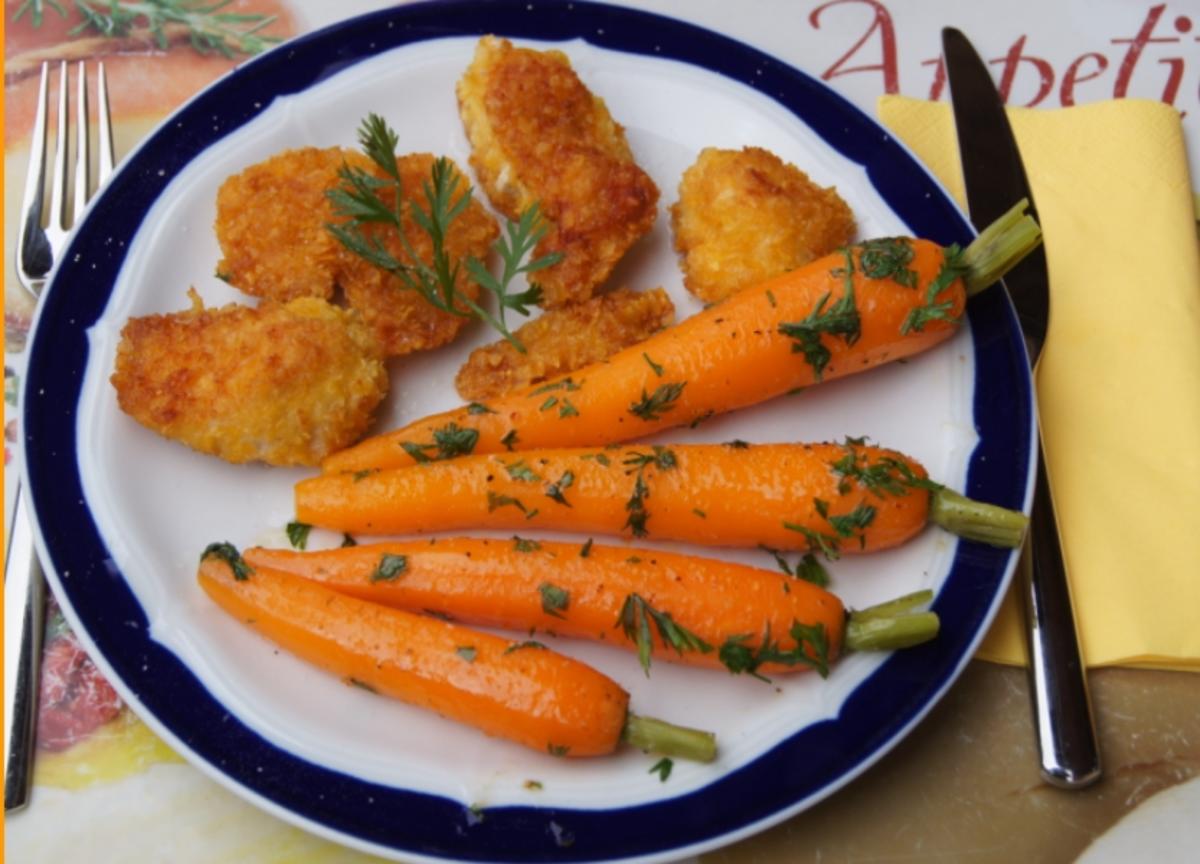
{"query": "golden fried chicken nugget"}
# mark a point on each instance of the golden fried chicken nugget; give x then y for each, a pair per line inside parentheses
(286, 384)
(271, 225)
(538, 135)
(401, 319)
(565, 339)
(746, 215)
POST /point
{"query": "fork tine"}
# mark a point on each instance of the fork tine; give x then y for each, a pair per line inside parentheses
(107, 155)
(58, 185)
(34, 198)
(82, 150)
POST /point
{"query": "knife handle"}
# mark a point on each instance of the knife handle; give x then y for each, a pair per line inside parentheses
(1066, 731)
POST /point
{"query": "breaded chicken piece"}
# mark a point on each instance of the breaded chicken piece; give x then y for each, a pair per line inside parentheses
(271, 225)
(286, 384)
(538, 135)
(745, 215)
(401, 319)
(565, 339)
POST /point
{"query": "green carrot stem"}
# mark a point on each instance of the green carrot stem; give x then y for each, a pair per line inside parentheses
(1000, 247)
(888, 633)
(892, 608)
(976, 520)
(659, 736)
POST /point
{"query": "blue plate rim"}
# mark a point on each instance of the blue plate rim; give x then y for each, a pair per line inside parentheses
(814, 762)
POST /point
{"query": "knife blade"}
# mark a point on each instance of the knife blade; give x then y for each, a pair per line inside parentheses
(994, 178)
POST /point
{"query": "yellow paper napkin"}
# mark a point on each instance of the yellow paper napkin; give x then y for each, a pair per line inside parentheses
(1119, 379)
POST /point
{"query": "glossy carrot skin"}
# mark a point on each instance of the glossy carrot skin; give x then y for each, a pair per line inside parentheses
(500, 583)
(729, 356)
(538, 698)
(784, 496)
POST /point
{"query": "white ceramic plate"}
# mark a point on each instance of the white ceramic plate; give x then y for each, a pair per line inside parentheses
(122, 544)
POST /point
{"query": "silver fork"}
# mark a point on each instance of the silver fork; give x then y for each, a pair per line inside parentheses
(38, 248)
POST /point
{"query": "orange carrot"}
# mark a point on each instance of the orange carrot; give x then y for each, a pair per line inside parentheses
(706, 612)
(845, 313)
(830, 498)
(538, 698)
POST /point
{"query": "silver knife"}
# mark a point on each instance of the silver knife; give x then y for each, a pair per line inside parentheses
(995, 180)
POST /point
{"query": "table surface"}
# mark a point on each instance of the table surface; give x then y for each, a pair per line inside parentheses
(964, 784)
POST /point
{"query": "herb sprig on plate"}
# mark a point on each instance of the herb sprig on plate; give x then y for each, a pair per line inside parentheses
(362, 198)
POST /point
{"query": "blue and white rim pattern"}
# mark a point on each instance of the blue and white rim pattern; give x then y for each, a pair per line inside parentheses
(798, 771)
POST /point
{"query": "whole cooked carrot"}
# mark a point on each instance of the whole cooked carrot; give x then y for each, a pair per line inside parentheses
(850, 311)
(830, 498)
(538, 698)
(699, 611)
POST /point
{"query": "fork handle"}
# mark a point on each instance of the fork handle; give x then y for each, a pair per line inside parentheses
(24, 611)
(1066, 732)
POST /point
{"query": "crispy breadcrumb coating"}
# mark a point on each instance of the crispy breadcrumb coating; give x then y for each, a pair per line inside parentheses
(745, 216)
(271, 225)
(565, 339)
(286, 384)
(538, 135)
(401, 319)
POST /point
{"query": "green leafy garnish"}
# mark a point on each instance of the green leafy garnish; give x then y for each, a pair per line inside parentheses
(520, 646)
(362, 198)
(449, 441)
(739, 657)
(555, 490)
(478, 408)
(558, 749)
(228, 553)
(840, 319)
(522, 472)
(888, 258)
(653, 405)
(390, 567)
(495, 501)
(467, 652)
(586, 549)
(554, 599)
(658, 370)
(635, 618)
(523, 545)
(347, 540)
(509, 439)
(662, 768)
(297, 533)
(953, 266)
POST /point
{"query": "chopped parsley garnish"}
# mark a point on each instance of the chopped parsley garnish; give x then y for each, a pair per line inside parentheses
(467, 652)
(361, 685)
(479, 408)
(635, 619)
(953, 267)
(495, 501)
(652, 406)
(840, 319)
(567, 384)
(390, 568)
(554, 599)
(521, 646)
(550, 402)
(509, 439)
(297, 533)
(586, 549)
(558, 749)
(739, 657)
(566, 409)
(555, 490)
(658, 370)
(662, 768)
(521, 544)
(888, 258)
(448, 442)
(522, 472)
(228, 553)
(347, 540)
